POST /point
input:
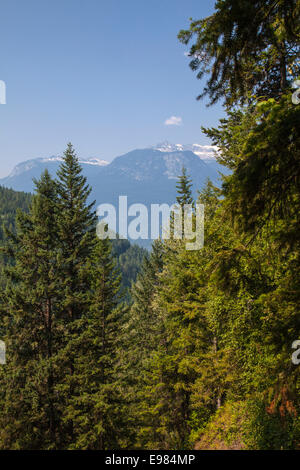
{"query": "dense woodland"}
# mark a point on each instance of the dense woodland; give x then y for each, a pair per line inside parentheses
(200, 355)
(128, 257)
(10, 202)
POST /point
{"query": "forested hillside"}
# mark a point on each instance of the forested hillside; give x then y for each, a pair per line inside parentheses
(202, 356)
(214, 364)
(128, 257)
(10, 201)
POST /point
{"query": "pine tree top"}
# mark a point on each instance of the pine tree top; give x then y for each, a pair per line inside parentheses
(184, 191)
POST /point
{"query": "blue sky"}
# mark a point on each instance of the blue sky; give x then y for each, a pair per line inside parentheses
(105, 75)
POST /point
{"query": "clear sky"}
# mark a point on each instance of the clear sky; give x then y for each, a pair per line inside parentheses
(105, 75)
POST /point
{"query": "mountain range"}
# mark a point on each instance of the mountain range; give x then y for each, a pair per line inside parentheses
(145, 175)
(141, 173)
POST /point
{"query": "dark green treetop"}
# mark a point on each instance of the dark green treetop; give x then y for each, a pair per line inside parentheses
(246, 47)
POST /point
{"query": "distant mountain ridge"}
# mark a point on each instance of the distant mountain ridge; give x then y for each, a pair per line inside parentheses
(145, 175)
(205, 152)
(20, 178)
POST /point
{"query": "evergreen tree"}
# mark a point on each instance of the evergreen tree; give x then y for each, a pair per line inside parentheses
(10, 201)
(180, 302)
(184, 192)
(30, 310)
(184, 198)
(203, 355)
(142, 336)
(96, 408)
(76, 232)
(246, 59)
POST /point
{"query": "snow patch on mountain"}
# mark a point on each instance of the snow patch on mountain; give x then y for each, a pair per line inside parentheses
(205, 152)
(94, 161)
(85, 161)
(29, 164)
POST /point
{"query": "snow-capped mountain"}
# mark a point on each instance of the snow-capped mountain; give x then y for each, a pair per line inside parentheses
(87, 161)
(22, 175)
(205, 152)
(144, 175)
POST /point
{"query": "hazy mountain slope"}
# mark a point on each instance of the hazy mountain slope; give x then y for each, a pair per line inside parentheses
(146, 175)
(21, 178)
(149, 176)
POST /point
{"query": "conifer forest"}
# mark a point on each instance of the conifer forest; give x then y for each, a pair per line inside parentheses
(113, 346)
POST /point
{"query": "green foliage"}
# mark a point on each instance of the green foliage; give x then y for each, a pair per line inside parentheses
(143, 331)
(184, 192)
(128, 257)
(201, 355)
(224, 430)
(268, 430)
(29, 312)
(247, 48)
(225, 317)
(10, 201)
(60, 319)
(96, 408)
(129, 261)
(265, 182)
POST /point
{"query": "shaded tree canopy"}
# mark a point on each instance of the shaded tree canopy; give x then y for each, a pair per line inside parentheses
(247, 48)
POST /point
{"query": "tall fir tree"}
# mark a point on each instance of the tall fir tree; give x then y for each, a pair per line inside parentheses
(143, 333)
(76, 222)
(30, 310)
(96, 407)
(184, 192)
(245, 60)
